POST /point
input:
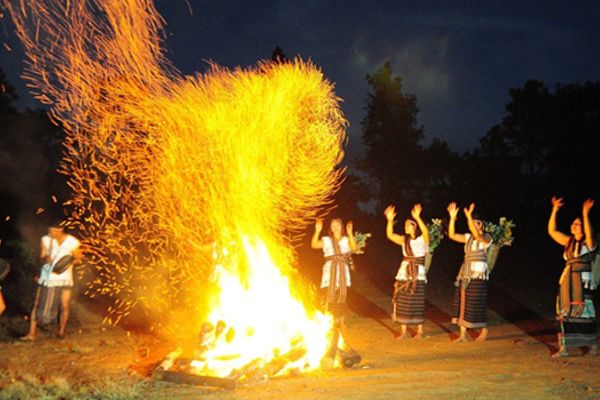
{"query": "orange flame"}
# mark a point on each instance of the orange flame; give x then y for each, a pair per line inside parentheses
(163, 165)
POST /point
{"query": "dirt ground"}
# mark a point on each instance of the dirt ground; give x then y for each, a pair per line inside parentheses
(514, 363)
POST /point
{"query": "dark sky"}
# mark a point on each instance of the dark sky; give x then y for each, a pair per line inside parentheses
(459, 58)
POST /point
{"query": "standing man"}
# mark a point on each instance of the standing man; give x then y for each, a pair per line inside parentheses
(55, 289)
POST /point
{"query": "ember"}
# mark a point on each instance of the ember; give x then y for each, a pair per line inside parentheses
(169, 170)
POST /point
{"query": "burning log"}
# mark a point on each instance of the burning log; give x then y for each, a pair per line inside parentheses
(198, 380)
(279, 363)
(163, 372)
(252, 371)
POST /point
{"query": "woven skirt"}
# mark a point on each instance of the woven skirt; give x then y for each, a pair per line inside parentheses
(580, 330)
(409, 308)
(469, 307)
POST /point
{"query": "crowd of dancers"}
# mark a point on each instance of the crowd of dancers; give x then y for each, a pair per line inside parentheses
(575, 310)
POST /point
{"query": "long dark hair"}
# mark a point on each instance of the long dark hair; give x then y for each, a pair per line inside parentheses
(417, 229)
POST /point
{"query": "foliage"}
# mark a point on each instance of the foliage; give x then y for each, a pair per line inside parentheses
(392, 138)
(361, 241)
(502, 232)
(24, 253)
(436, 233)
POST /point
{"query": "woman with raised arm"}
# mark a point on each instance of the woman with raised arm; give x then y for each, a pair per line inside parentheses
(469, 308)
(337, 249)
(574, 305)
(408, 302)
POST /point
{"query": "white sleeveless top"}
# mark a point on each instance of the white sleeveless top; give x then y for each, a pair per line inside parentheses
(419, 249)
(56, 252)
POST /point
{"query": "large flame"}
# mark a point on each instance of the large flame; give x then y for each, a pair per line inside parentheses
(163, 166)
(267, 322)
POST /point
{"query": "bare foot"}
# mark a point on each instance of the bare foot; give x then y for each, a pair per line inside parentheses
(419, 335)
(460, 339)
(403, 336)
(560, 353)
(482, 335)
(594, 351)
(27, 338)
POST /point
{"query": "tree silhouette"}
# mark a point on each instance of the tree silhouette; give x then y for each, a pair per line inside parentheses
(278, 56)
(391, 135)
(8, 96)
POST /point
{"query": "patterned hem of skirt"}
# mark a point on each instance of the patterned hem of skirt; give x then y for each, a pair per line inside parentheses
(409, 321)
(574, 340)
(467, 324)
(576, 320)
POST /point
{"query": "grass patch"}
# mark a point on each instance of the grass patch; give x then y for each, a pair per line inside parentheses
(27, 386)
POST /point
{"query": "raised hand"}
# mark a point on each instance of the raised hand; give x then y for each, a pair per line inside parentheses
(349, 228)
(557, 203)
(452, 210)
(319, 225)
(390, 213)
(416, 211)
(587, 206)
(469, 211)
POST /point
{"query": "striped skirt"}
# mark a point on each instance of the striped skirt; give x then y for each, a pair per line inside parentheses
(469, 307)
(47, 303)
(409, 308)
(580, 330)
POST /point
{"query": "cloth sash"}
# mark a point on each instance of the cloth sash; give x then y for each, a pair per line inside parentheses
(471, 256)
(412, 268)
(338, 262)
(571, 286)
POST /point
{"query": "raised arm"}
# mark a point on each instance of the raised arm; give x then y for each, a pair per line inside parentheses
(316, 242)
(416, 214)
(43, 252)
(478, 234)
(390, 214)
(350, 234)
(557, 236)
(590, 239)
(453, 213)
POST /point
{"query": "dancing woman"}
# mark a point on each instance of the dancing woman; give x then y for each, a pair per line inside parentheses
(411, 278)
(469, 309)
(575, 310)
(337, 249)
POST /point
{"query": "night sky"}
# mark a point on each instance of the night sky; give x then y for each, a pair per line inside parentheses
(459, 58)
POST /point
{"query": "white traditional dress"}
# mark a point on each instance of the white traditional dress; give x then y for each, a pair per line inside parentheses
(469, 308)
(336, 273)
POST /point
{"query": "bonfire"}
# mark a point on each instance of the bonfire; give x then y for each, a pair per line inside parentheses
(189, 192)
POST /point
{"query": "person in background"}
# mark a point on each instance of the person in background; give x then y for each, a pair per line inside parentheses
(411, 278)
(469, 309)
(54, 289)
(575, 309)
(337, 249)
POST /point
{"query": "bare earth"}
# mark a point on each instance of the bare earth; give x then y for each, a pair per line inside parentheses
(515, 362)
